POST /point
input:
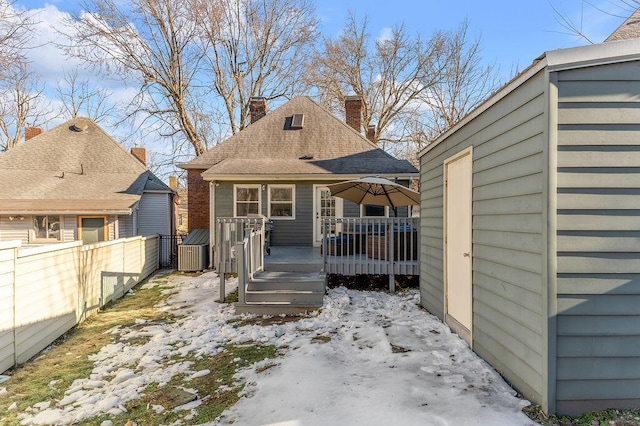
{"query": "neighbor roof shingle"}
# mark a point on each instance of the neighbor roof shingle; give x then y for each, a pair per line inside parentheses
(69, 167)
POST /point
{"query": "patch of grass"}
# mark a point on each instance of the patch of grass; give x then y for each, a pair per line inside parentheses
(232, 297)
(611, 417)
(67, 358)
(321, 339)
(217, 391)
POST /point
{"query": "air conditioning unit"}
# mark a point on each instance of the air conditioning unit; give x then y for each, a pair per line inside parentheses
(192, 257)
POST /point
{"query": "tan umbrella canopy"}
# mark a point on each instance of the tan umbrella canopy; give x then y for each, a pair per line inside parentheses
(375, 191)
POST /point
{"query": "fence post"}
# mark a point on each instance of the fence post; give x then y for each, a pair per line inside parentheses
(221, 260)
(240, 258)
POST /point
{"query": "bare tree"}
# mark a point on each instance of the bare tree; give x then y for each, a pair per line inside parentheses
(21, 105)
(255, 48)
(15, 31)
(151, 43)
(391, 74)
(80, 98)
(578, 26)
(465, 82)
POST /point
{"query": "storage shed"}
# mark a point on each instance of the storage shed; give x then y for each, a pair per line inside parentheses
(530, 229)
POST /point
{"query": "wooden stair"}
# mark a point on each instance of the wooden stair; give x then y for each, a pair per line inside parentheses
(284, 292)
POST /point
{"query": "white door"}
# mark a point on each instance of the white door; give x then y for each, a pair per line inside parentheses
(458, 268)
(325, 207)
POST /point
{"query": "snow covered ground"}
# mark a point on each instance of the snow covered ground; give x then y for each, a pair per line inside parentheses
(367, 358)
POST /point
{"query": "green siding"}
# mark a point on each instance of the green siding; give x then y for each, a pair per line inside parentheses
(598, 238)
(509, 190)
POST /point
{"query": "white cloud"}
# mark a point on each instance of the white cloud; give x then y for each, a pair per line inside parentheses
(385, 34)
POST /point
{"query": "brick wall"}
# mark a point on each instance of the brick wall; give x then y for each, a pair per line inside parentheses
(198, 194)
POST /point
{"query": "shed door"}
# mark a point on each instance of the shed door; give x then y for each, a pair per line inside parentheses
(458, 205)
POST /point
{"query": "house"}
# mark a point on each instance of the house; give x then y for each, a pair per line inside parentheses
(75, 182)
(279, 166)
(530, 213)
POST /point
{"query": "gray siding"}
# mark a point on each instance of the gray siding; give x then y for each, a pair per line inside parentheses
(296, 232)
(598, 236)
(70, 228)
(509, 204)
(154, 214)
(125, 226)
(286, 232)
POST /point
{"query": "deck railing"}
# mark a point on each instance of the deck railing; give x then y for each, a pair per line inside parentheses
(250, 256)
(231, 231)
(353, 246)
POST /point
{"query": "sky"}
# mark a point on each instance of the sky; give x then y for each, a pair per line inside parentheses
(338, 366)
(512, 33)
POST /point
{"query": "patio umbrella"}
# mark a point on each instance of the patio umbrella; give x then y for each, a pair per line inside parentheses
(375, 191)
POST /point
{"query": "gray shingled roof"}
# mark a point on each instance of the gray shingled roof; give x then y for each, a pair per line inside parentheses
(74, 167)
(629, 29)
(325, 145)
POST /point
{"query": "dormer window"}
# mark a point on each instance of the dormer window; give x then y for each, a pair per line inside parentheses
(297, 122)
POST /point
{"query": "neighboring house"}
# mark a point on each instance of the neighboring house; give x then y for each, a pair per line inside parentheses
(279, 167)
(74, 182)
(530, 228)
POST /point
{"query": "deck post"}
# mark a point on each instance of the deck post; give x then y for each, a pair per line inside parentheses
(392, 283)
(221, 262)
(391, 263)
(241, 262)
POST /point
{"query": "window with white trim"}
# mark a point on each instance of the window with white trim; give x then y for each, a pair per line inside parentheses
(374, 211)
(246, 200)
(47, 227)
(282, 201)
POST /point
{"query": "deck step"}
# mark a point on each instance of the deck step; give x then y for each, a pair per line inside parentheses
(275, 308)
(286, 296)
(269, 281)
(285, 266)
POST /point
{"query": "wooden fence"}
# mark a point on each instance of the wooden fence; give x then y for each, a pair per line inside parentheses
(46, 290)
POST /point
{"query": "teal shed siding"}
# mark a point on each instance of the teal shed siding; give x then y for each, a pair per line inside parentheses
(598, 334)
(508, 235)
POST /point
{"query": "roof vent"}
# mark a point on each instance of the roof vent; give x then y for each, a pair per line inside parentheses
(79, 127)
(306, 157)
(297, 122)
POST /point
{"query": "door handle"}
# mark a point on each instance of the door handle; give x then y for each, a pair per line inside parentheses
(467, 254)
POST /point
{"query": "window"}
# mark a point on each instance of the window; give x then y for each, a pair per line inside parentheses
(93, 229)
(246, 200)
(47, 227)
(374, 211)
(282, 201)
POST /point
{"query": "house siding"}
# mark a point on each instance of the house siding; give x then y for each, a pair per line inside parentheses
(598, 232)
(509, 204)
(70, 228)
(154, 217)
(125, 226)
(286, 232)
(15, 229)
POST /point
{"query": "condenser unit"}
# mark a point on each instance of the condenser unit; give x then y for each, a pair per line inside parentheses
(193, 253)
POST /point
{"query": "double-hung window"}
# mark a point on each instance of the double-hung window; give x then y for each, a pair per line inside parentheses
(246, 200)
(282, 201)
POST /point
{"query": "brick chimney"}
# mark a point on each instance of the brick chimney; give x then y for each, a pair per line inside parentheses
(31, 132)
(257, 107)
(173, 182)
(140, 154)
(353, 111)
(371, 133)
